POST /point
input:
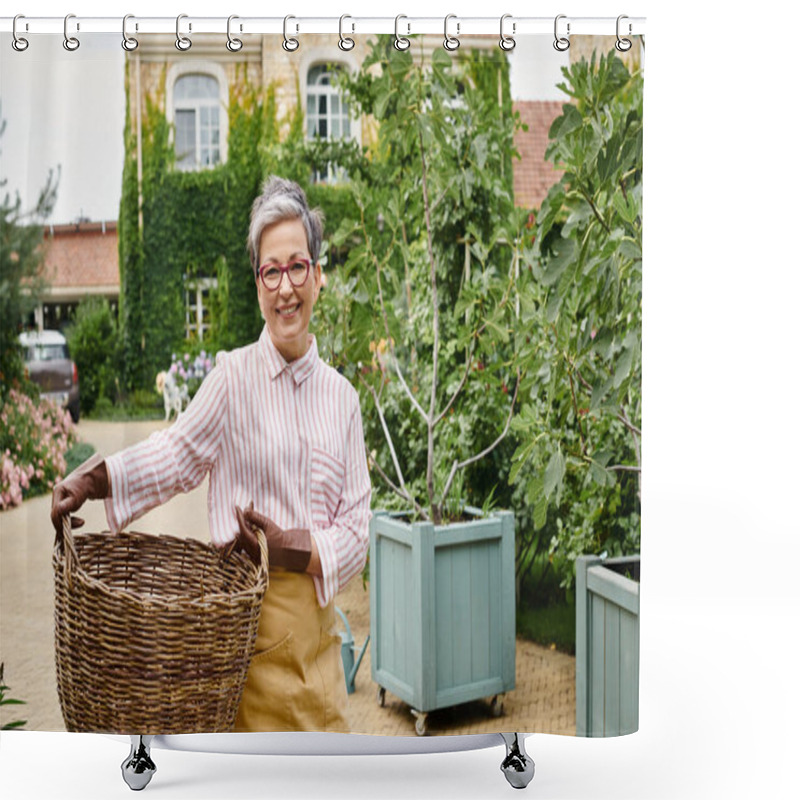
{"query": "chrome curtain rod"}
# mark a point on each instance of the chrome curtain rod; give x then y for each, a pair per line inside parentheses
(404, 25)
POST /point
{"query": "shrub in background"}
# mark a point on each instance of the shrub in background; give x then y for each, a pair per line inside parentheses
(34, 439)
(94, 345)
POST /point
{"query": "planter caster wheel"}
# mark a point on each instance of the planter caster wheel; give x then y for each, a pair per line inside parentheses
(138, 768)
(517, 766)
(421, 725)
(497, 706)
(381, 696)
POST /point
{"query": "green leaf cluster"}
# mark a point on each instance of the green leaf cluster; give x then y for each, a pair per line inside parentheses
(578, 459)
(94, 345)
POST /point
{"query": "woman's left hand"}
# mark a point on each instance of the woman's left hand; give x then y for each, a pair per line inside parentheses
(290, 549)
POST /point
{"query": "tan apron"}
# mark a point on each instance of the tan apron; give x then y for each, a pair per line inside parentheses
(296, 678)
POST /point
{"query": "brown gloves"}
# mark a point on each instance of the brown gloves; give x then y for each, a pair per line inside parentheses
(290, 549)
(88, 482)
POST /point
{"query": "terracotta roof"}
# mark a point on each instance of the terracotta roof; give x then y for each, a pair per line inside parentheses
(533, 176)
(81, 255)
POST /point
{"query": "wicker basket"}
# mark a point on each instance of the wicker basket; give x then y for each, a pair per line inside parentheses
(153, 634)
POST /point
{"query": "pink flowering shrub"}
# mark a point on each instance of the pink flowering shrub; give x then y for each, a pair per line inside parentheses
(34, 438)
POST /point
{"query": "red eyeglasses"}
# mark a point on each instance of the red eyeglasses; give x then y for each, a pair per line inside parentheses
(297, 269)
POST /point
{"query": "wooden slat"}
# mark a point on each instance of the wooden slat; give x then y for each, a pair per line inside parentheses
(424, 620)
(618, 589)
(611, 678)
(479, 531)
(582, 650)
(469, 692)
(481, 641)
(509, 602)
(462, 611)
(629, 673)
(445, 654)
(597, 658)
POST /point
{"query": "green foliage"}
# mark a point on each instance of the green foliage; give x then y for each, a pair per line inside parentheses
(20, 279)
(95, 348)
(579, 427)
(429, 345)
(6, 700)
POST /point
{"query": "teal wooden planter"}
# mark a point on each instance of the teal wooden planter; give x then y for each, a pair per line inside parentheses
(607, 646)
(442, 611)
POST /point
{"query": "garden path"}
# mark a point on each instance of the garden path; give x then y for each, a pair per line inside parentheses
(543, 700)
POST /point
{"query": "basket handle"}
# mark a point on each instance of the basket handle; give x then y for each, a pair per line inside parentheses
(262, 546)
(66, 541)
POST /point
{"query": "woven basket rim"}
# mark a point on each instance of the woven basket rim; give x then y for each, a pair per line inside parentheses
(163, 600)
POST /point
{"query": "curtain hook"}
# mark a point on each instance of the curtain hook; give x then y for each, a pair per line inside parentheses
(561, 43)
(451, 42)
(345, 42)
(507, 42)
(233, 44)
(400, 42)
(70, 42)
(289, 45)
(623, 45)
(129, 43)
(19, 43)
(182, 43)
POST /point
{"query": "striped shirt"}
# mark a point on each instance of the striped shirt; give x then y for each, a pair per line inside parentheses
(286, 436)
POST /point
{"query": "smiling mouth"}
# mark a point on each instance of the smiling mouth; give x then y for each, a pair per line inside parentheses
(288, 310)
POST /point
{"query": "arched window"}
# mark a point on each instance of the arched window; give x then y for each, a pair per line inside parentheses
(327, 113)
(196, 106)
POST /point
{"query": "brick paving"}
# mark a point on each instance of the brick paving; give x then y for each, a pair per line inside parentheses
(543, 700)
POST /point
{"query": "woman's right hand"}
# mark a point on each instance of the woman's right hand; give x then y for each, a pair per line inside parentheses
(89, 481)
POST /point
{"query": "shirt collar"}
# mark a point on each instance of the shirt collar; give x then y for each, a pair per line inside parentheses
(300, 369)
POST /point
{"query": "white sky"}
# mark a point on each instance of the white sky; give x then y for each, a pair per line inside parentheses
(64, 109)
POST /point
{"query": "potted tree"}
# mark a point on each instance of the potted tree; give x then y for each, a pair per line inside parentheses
(422, 317)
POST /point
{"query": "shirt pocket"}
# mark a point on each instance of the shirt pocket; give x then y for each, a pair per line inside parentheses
(327, 484)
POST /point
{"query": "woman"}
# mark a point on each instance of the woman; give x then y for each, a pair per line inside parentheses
(280, 434)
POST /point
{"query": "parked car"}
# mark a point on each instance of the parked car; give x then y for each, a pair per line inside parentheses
(49, 366)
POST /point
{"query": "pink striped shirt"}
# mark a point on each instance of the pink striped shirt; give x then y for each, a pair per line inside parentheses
(287, 436)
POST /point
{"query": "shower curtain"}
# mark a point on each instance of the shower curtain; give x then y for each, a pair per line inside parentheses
(480, 291)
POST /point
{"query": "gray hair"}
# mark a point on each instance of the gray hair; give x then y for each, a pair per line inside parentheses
(282, 199)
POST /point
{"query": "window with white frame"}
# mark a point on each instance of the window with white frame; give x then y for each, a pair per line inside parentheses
(196, 104)
(197, 302)
(327, 113)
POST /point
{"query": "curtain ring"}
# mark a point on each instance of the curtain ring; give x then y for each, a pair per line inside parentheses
(400, 42)
(233, 44)
(129, 43)
(70, 42)
(623, 45)
(19, 43)
(289, 45)
(345, 42)
(451, 42)
(507, 42)
(183, 43)
(561, 43)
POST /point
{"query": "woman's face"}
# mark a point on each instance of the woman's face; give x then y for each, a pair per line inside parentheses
(287, 309)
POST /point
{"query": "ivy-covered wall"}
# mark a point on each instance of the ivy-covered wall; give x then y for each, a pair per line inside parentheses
(194, 224)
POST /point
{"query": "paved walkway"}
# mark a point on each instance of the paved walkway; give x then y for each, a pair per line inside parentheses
(543, 700)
